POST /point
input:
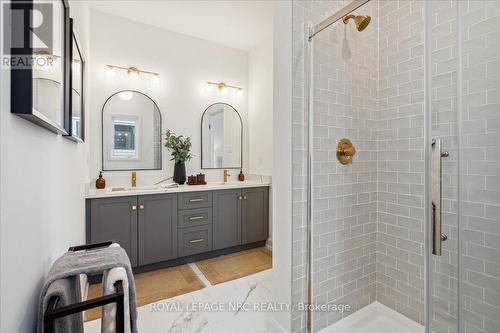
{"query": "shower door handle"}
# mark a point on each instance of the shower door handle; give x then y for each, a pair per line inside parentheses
(436, 156)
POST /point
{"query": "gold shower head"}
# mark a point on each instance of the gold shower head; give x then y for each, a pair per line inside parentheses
(361, 21)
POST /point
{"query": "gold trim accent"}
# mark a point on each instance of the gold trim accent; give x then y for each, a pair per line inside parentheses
(361, 21)
(134, 179)
(345, 151)
(133, 69)
(222, 85)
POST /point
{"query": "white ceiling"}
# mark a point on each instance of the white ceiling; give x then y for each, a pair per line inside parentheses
(234, 23)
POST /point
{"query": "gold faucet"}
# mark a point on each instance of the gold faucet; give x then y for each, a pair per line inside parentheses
(134, 179)
(226, 176)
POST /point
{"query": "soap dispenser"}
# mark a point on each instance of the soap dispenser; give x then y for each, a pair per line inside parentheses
(100, 183)
(241, 176)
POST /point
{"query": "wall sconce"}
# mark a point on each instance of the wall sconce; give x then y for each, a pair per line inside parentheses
(224, 88)
(133, 73)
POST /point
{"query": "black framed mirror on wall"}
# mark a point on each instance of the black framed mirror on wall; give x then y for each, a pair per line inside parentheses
(40, 70)
(221, 137)
(131, 132)
(77, 103)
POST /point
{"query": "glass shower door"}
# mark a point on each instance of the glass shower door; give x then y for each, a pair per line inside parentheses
(442, 111)
(464, 76)
(344, 199)
(479, 206)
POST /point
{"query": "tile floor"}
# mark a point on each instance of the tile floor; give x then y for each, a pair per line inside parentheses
(179, 314)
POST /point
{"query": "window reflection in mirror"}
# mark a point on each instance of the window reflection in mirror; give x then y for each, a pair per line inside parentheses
(221, 137)
(131, 132)
(125, 142)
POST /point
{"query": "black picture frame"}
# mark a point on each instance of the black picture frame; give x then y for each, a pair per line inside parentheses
(241, 139)
(22, 78)
(74, 45)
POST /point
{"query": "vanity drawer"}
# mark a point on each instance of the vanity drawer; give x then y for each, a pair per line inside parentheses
(194, 217)
(194, 240)
(195, 200)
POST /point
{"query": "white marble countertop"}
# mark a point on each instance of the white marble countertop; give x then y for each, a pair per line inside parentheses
(168, 188)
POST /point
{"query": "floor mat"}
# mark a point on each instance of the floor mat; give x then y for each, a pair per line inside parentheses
(236, 265)
(154, 286)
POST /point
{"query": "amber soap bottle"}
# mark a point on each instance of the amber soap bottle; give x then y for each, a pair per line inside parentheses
(241, 176)
(100, 183)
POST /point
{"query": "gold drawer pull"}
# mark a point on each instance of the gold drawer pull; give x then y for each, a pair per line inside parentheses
(193, 218)
(196, 240)
(195, 200)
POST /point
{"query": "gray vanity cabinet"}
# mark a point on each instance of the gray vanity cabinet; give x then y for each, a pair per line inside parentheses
(240, 216)
(157, 227)
(255, 214)
(115, 219)
(227, 218)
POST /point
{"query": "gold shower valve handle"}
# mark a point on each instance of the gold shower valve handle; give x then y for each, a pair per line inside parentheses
(345, 151)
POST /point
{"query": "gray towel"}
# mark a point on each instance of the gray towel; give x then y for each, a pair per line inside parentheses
(68, 294)
(87, 262)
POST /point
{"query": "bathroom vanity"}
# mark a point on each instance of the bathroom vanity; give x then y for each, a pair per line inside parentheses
(164, 227)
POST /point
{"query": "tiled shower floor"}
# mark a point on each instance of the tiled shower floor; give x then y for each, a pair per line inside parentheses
(375, 318)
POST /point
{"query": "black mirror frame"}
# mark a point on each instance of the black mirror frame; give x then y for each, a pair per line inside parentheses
(21, 91)
(74, 44)
(102, 133)
(241, 140)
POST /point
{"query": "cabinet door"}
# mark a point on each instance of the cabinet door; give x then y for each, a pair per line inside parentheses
(255, 214)
(157, 228)
(227, 218)
(115, 219)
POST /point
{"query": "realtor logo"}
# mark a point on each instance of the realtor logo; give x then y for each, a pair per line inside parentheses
(28, 28)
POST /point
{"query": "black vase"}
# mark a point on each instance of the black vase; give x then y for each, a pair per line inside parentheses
(180, 173)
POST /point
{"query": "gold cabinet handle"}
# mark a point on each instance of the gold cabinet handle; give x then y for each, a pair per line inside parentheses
(195, 200)
(196, 240)
(134, 207)
(193, 218)
(141, 206)
(240, 197)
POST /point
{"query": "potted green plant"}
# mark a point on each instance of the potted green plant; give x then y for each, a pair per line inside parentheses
(180, 148)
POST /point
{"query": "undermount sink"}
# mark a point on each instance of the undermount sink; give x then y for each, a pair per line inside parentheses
(144, 188)
(236, 183)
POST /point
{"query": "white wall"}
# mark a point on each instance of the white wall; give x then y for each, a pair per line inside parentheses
(41, 205)
(260, 108)
(184, 63)
(282, 164)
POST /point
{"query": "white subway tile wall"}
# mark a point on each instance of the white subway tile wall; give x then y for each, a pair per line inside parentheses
(481, 166)
(368, 233)
(400, 125)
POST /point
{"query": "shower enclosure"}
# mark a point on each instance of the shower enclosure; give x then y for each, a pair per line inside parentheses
(396, 189)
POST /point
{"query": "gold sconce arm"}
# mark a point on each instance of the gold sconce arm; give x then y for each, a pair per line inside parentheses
(133, 69)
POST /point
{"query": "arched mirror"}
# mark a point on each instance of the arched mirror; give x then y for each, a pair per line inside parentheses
(221, 137)
(131, 132)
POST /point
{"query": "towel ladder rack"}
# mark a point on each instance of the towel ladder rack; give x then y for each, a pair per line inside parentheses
(53, 312)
